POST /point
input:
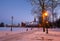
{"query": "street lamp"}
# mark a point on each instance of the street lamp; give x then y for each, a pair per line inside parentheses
(11, 22)
(45, 14)
(46, 21)
(44, 17)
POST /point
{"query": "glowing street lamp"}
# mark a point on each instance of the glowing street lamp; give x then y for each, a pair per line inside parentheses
(44, 17)
(45, 20)
(45, 14)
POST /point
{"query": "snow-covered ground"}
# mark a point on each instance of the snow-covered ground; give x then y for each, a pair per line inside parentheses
(4, 31)
(36, 34)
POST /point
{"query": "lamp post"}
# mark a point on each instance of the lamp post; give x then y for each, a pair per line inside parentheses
(11, 22)
(46, 21)
(44, 17)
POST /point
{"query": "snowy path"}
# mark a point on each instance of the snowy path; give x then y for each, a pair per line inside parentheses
(40, 36)
(15, 37)
(33, 35)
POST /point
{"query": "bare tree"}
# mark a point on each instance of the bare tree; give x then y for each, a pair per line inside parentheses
(40, 6)
(45, 4)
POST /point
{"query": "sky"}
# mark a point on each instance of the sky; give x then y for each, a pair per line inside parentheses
(19, 9)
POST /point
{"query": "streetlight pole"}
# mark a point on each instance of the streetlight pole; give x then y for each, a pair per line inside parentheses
(46, 21)
(11, 22)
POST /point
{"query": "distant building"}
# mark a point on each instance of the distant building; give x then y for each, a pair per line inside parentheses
(23, 24)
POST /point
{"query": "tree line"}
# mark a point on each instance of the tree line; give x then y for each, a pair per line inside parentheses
(2, 24)
(55, 24)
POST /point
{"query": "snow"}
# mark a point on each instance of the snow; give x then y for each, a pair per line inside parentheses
(36, 34)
